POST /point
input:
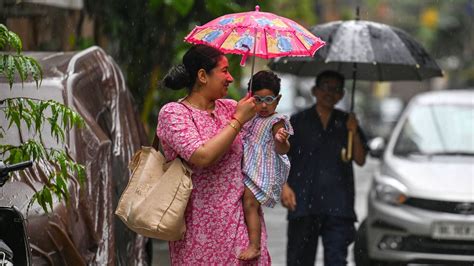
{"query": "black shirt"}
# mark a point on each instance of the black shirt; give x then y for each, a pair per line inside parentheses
(322, 182)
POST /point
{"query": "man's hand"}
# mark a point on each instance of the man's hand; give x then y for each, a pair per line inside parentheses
(288, 198)
(352, 123)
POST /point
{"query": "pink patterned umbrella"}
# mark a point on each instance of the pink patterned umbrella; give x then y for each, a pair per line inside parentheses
(275, 36)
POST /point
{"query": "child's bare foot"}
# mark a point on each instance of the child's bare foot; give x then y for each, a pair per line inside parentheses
(252, 252)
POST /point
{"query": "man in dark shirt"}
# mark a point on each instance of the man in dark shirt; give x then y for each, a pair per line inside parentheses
(319, 193)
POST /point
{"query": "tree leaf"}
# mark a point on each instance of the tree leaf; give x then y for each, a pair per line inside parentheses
(36, 72)
(81, 174)
(61, 184)
(3, 36)
(181, 6)
(63, 166)
(48, 198)
(155, 4)
(14, 41)
(2, 60)
(20, 68)
(10, 69)
(41, 201)
(15, 118)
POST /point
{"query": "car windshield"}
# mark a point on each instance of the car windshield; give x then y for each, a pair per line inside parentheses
(437, 130)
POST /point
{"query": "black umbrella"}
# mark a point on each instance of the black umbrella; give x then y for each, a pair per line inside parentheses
(381, 53)
(363, 50)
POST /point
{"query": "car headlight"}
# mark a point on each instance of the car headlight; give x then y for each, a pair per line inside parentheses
(389, 190)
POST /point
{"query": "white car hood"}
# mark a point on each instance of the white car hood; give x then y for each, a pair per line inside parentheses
(447, 180)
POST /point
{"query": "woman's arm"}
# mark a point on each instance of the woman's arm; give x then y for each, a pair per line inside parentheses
(280, 135)
(213, 149)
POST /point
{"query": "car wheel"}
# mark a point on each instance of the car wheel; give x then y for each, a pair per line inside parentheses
(361, 252)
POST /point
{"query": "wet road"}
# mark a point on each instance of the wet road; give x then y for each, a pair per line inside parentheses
(276, 223)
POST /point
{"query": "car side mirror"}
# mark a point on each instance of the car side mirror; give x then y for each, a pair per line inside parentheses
(376, 147)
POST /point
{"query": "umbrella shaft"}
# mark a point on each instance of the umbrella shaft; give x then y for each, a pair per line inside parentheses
(253, 60)
(354, 77)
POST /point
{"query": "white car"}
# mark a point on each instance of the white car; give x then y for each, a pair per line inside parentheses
(421, 203)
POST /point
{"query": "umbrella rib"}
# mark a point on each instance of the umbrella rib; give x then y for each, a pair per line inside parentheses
(417, 72)
(265, 39)
(225, 38)
(410, 52)
(296, 36)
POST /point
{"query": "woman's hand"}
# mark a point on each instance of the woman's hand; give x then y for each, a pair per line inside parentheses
(288, 198)
(245, 109)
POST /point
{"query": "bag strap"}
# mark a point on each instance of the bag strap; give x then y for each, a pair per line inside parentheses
(190, 113)
(156, 141)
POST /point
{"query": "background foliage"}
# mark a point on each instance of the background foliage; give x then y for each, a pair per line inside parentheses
(35, 114)
(149, 35)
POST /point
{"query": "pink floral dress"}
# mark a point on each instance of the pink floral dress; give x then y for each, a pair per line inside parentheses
(216, 230)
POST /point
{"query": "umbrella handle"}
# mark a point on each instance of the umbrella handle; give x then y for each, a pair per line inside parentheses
(244, 58)
(245, 55)
(346, 155)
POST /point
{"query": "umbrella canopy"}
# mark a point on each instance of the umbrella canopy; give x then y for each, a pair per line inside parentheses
(261, 34)
(381, 53)
(363, 50)
(275, 36)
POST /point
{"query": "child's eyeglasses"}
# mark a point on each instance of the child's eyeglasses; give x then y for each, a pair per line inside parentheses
(267, 99)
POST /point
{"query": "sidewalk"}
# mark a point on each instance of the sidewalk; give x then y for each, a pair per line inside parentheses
(276, 223)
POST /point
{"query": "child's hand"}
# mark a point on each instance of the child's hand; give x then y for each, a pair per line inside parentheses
(282, 135)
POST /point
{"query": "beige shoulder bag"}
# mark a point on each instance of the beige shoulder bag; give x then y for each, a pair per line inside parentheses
(155, 199)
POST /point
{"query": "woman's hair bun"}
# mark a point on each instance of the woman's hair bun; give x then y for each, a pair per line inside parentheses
(177, 78)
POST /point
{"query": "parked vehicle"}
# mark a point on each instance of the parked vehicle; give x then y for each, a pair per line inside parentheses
(84, 231)
(14, 244)
(421, 202)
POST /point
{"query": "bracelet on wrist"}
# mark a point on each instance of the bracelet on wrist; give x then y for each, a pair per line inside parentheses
(234, 127)
(238, 121)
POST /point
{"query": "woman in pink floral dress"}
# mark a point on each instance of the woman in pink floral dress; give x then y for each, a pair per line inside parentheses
(204, 130)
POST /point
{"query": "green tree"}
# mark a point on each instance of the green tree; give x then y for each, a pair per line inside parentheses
(146, 39)
(35, 113)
